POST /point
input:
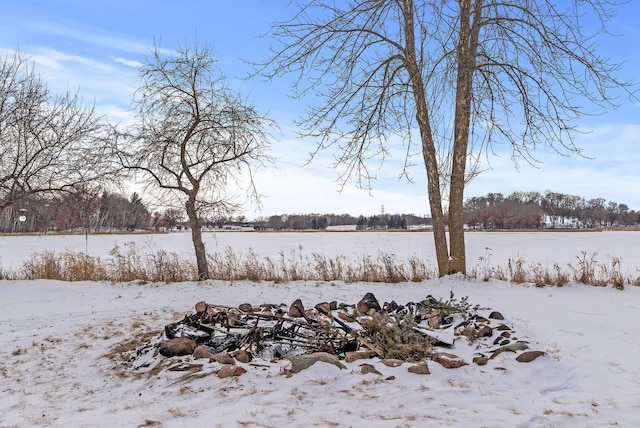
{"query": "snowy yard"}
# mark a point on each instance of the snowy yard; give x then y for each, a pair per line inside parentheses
(59, 365)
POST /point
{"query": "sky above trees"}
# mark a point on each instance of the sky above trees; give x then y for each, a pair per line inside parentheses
(97, 47)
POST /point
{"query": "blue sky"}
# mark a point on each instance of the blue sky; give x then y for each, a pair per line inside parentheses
(95, 47)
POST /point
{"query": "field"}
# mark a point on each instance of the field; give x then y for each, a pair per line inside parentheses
(63, 345)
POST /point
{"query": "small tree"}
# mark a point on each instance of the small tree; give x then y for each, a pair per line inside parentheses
(194, 139)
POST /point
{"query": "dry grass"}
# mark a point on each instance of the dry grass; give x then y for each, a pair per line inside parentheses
(129, 264)
(586, 270)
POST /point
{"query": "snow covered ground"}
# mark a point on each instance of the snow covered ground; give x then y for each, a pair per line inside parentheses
(59, 342)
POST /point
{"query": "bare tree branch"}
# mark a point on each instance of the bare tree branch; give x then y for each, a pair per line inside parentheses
(194, 138)
(48, 143)
(465, 74)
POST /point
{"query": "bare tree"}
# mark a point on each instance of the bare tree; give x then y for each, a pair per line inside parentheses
(48, 143)
(463, 73)
(194, 139)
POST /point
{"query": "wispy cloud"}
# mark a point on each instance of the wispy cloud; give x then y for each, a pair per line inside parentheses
(127, 62)
(90, 35)
(52, 58)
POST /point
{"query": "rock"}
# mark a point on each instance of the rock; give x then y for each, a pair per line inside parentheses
(201, 306)
(333, 305)
(448, 361)
(503, 327)
(296, 309)
(421, 368)
(367, 303)
(390, 307)
(527, 357)
(499, 351)
(242, 356)
(368, 368)
(346, 317)
(301, 362)
(230, 370)
(518, 346)
(392, 362)
(496, 315)
(246, 307)
(512, 347)
(223, 358)
(177, 346)
(202, 352)
(350, 357)
(481, 361)
(324, 307)
(506, 334)
(485, 331)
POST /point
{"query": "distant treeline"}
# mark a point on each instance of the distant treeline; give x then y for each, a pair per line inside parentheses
(79, 210)
(322, 221)
(105, 211)
(532, 210)
(519, 210)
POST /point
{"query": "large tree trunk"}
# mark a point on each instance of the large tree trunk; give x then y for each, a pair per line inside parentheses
(466, 54)
(428, 147)
(435, 204)
(196, 237)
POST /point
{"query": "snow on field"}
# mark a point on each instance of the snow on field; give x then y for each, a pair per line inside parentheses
(59, 365)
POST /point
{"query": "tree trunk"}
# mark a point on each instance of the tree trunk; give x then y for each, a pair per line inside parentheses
(428, 147)
(435, 204)
(196, 237)
(466, 54)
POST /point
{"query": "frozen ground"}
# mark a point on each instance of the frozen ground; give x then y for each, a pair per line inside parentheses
(57, 342)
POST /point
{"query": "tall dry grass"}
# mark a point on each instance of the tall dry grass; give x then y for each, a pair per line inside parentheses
(131, 264)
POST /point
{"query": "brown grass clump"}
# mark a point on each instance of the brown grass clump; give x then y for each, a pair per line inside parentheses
(67, 266)
(517, 272)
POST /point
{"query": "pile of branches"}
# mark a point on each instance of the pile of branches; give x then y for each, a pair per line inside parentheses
(407, 332)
